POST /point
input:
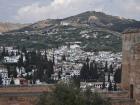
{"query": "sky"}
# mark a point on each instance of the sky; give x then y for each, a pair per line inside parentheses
(29, 11)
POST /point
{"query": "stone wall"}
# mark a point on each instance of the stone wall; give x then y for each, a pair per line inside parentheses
(22, 95)
(131, 64)
(28, 95)
(18, 100)
(26, 89)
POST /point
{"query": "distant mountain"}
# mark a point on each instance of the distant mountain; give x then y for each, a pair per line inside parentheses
(5, 27)
(93, 31)
(90, 18)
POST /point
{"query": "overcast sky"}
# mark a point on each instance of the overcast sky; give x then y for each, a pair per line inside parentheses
(28, 11)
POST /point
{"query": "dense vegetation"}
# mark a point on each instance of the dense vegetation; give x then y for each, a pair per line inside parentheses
(71, 95)
(91, 40)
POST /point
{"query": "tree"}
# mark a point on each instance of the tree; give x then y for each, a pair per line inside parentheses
(115, 87)
(12, 53)
(68, 95)
(106, 67)
(45, 56)
(108, 77)
(83, 73)
(15, 73)
(24, 49)
(111, 69)
(95, 72)
(1, 80)
(12, 82)
(110, 88)
(7, 53)
(20, 61)
(87, 60)
(3, 52)
(117, 75)
(76, 81)
(103, 85)
(53, 60)
(63, 58)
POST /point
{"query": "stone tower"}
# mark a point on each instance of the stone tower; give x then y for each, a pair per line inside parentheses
(131, 64)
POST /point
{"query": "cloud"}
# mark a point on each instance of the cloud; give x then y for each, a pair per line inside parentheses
(64, 8)
(56, 9)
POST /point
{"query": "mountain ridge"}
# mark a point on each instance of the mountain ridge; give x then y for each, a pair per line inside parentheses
(94, 31)
(91, 18)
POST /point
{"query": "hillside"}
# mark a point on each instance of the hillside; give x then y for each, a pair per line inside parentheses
(5, 27)
(102, 20)
(93, 31)
(90, 18)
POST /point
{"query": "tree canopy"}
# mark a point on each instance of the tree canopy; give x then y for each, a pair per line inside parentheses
(69, 95)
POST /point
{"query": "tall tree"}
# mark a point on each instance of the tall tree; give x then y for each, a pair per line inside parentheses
(95, 71)
(1, 80)
(111, 68)
(12, 82)
(115, 87)
(24, 49)
(63, 57)
(110, 87)
(117, 75)
(106, 67)
(20, 61)
(103, 85)
(45, 55)
(3, 52)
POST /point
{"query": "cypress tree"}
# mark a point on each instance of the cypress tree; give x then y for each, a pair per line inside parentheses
(115, 87)
(12, 82)
(1, 80)
(110, 88)
(106, 67)
(111, 69)
(117, 75)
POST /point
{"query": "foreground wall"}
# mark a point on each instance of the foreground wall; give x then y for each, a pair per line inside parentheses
(25, 95)
(29, 95)
(18, 100)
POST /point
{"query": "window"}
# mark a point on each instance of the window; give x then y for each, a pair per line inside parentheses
(131, 91)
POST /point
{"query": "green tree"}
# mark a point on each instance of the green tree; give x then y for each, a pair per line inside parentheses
(103, 85)
(110, 88)
(117, 75)
(12, 82)
(111, 69)
(115, 87)
(68, 95)
(63, 58)
(1, 80)
(106, 67)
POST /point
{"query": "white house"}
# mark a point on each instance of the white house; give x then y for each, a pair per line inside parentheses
(4, 75)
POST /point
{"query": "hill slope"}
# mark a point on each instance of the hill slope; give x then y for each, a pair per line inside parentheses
(91, 30)
(5, 27)
(90, 18)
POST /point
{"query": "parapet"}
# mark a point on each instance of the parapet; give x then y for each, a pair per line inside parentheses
(131, 30)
